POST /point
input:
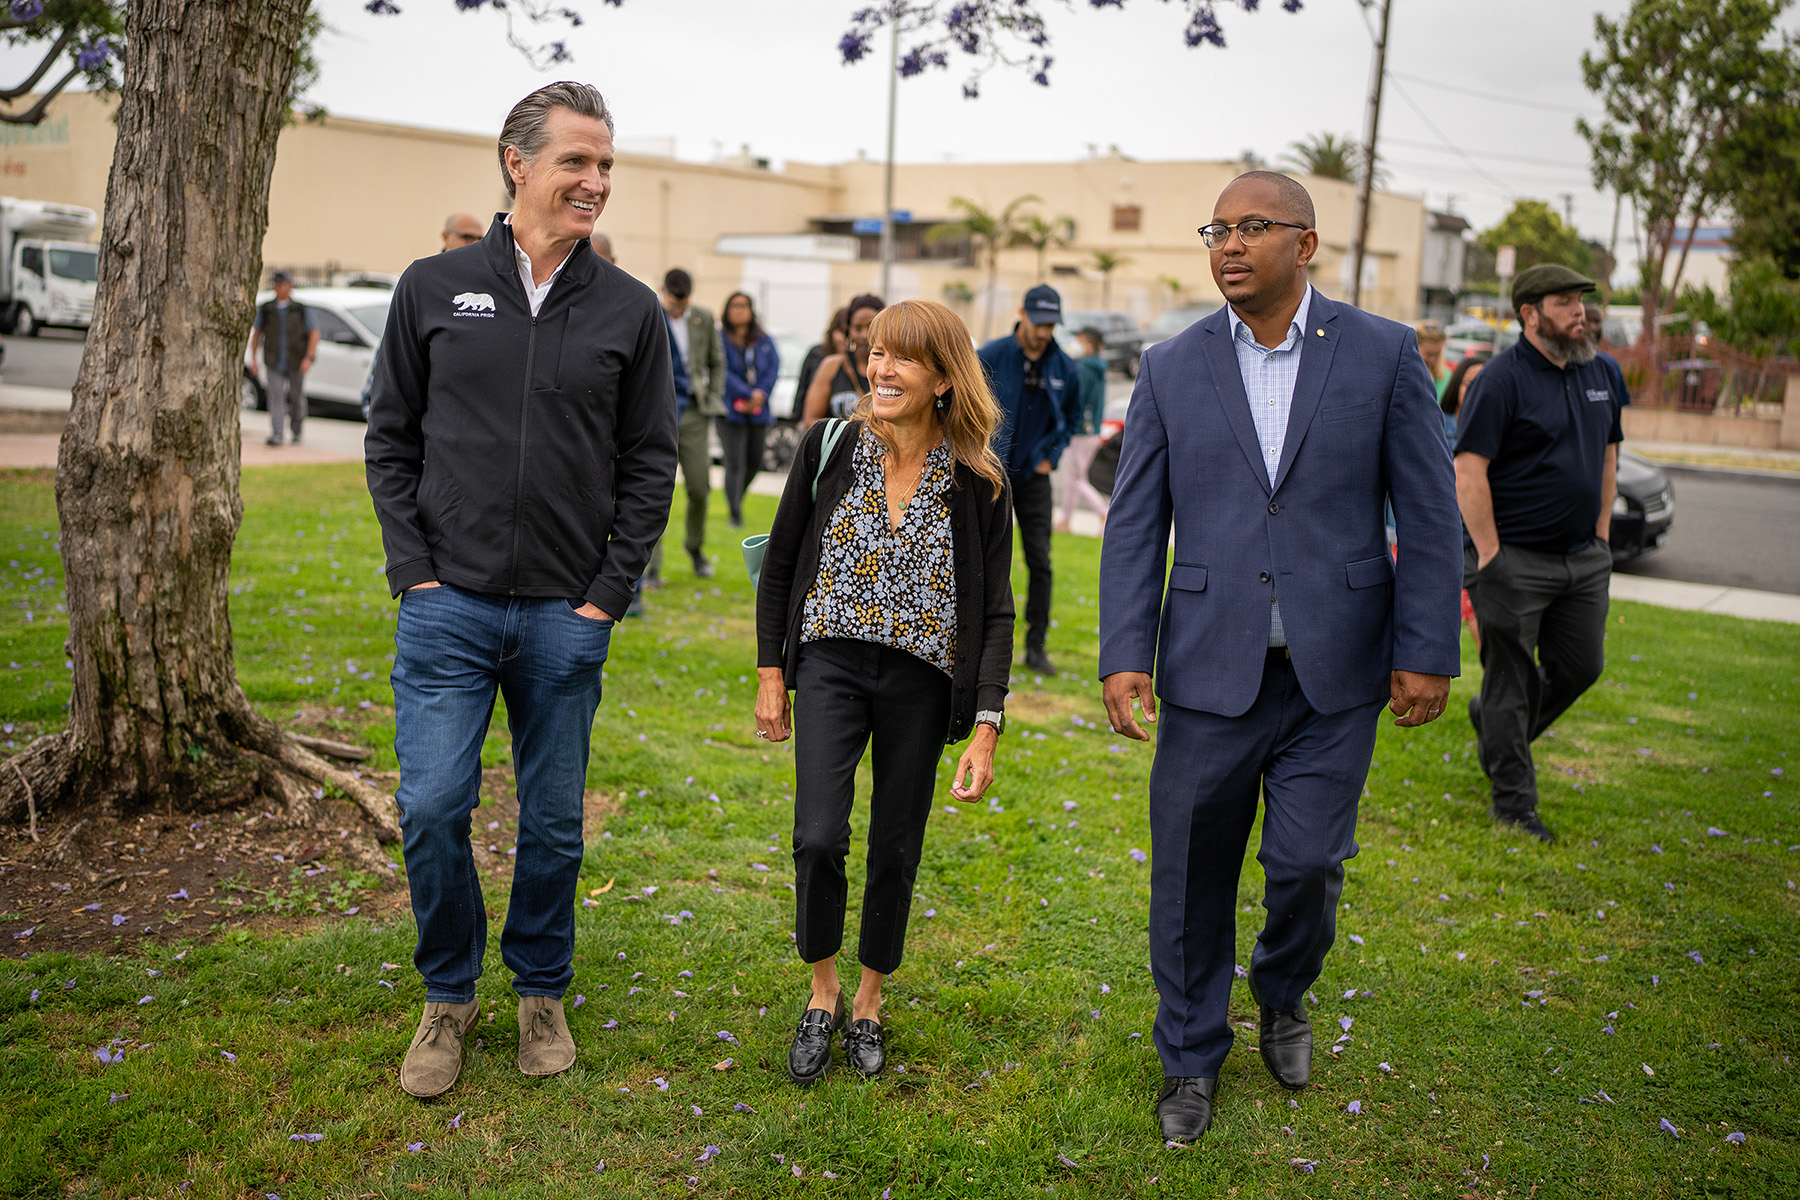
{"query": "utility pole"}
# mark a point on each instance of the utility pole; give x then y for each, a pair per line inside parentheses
(1366, 185)
(1612, 252)
(887, 191)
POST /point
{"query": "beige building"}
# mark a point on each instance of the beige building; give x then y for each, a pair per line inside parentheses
(360, 196)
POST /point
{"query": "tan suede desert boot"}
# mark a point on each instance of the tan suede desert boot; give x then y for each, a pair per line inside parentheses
(434, 1059)
(545, 1047)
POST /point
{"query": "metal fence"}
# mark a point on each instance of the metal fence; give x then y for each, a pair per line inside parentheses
(1700, 375)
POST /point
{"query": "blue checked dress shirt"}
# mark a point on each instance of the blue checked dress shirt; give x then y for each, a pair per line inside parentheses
(1269, 377)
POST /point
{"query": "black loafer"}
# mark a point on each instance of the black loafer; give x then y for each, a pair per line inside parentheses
(1524, 823)
(1285, 1042)
(1038, 661)
(865, 1047)
(810, 1055)
(1184, 1107)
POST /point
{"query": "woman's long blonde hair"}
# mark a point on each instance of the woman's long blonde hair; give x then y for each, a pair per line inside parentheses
(927, 332)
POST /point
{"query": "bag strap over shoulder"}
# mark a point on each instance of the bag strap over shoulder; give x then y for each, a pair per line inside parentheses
(834, 431)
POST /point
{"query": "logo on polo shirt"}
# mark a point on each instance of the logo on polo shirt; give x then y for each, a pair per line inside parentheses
(1598, 395)
(473, 304)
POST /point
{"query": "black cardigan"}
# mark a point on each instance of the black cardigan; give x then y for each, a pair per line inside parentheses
(981, 527)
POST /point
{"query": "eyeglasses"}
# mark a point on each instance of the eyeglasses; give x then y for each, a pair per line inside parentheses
(1250, 232)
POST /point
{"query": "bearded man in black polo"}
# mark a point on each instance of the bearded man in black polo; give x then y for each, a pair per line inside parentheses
(1537, 455)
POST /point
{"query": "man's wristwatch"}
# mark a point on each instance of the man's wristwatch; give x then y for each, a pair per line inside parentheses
(988, 716)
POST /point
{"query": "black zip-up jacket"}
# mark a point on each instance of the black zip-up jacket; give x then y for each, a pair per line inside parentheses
(981, 547)
(521, 455)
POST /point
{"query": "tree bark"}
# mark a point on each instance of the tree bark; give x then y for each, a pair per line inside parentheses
(147, 475)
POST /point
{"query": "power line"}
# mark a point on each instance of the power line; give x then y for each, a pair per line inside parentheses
(1494, 154)
(1448, 144)
(1496, 97)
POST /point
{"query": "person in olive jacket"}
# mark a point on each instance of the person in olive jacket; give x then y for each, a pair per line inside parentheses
(885, 604)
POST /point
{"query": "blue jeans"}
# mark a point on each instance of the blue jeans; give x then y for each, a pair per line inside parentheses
(453, 648)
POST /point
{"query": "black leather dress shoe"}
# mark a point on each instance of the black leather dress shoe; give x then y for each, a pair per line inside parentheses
(1038, 661)
(1524, 823)
(810, 1055)
(865, 1047)
(1285, 1042)
(1185, 1107)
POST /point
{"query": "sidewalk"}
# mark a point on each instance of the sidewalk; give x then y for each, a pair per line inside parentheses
(1782, 465)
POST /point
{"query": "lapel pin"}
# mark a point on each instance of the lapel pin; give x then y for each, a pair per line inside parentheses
(1321, 333)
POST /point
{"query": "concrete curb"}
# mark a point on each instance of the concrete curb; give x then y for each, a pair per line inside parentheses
(1707, 597)
(1791, 478)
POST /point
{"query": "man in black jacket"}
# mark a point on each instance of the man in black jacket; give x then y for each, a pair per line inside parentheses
(521, 456)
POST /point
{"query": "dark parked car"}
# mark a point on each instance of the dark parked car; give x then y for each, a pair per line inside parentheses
(1124, 341)
(1643, 509)
(1172, 321)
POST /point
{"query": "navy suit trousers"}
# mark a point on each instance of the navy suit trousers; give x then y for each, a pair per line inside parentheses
(1310, 768)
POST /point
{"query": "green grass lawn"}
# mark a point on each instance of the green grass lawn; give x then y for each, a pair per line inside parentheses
(1590, 1019)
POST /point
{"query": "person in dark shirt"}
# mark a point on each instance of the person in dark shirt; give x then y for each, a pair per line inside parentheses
(1039, 392)
(1595, 333)
(1537, 453)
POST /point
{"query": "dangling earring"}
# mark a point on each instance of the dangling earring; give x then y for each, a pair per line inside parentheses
(943, 401)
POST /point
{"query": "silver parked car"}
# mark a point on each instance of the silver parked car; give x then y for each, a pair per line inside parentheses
(350, 321)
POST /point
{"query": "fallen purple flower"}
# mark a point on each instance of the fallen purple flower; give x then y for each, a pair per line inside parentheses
(414, 1147)
(1356, 939)
(145, 1000)
(1354, 1108)
(1384, 1068)
(456, 1121)
(1695, 955)
(1712, 831)
(740, 1106)
(1305, 1164)
(580, 1000)
(708, 1153)
(115, 1097)
(761, 867)
(1106, 989)
(1237, 970)
(181, 895)
(118, 919)
(1137, 855)
(725, 1035)
(1344, 1023)
(384, 983)
(109, 1055)
(1734, 1137)
(1064, 1159)
(228, 1056)
(662, 1085)
(1667, 1128)
(610, 1025)
(695, 1109)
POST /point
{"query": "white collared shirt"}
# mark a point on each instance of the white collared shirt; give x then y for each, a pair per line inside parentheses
(1269, 376)
(535, 293)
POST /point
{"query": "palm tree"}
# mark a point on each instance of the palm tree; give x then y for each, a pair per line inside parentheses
(1106, 263)
(1330, 156)
(988, 233)
(1041, 235)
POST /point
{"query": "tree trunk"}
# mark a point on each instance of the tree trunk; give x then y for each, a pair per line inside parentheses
(147, 476)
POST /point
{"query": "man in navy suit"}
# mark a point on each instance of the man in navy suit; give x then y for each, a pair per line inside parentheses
(1268, 435)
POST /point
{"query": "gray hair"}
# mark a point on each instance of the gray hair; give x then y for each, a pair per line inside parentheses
(524, 130)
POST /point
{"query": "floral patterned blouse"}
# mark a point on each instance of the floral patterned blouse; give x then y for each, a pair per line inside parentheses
(875, 584)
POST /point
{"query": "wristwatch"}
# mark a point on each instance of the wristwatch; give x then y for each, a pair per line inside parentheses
(988, 716)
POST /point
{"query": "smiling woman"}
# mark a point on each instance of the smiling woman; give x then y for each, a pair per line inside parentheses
(885, 603)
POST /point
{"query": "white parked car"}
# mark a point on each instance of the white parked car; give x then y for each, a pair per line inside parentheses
(350, 321)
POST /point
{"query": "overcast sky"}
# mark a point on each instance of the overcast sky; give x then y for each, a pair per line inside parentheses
(715, 75)
(1480, 106)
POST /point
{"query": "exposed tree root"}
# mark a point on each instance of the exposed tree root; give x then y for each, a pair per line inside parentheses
(49, 773)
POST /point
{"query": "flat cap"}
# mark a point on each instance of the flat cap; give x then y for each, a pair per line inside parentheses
(1547, 279)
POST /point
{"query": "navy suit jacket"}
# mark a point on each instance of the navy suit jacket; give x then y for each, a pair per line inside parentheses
(1364, 425)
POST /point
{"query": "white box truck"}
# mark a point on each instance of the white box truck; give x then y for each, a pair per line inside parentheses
(47, 267)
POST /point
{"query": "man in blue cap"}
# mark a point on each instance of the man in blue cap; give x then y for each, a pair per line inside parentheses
(1039, 391)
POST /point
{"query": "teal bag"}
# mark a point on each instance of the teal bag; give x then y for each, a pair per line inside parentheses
(757, 544)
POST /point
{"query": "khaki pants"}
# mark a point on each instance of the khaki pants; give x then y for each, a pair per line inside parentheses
(696, 474)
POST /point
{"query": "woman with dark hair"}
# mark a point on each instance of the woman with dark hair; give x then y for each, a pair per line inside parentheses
(885, 605)
(836, 337)
(1452, 400)
(1456, 391)
(842, 380)
(751, 364)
